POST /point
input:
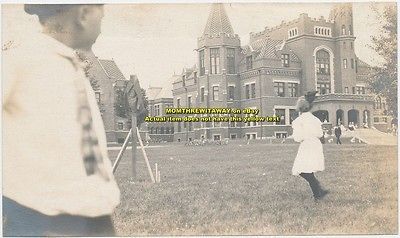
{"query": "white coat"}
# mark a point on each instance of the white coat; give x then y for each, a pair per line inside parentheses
(42, 160)
(310, 157)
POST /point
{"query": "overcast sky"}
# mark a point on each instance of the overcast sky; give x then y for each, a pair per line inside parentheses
(155, 40)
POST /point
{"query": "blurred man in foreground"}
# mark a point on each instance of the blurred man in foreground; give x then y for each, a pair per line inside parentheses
(57, 177)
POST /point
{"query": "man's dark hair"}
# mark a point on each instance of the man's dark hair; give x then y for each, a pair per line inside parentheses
(44, 11)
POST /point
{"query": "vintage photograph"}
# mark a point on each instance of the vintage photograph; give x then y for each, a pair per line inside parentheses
(202, 118)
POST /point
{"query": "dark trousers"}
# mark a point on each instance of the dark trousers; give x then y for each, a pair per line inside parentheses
(314, 184)
(338, 140)
(19, 220)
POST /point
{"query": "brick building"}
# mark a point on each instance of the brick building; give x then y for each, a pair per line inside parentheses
(159, 98)
(277, 66)
(110, 80)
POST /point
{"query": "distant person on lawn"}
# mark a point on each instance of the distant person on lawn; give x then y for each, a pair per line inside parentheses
(338, 134)
(307, 129)
(57, 177)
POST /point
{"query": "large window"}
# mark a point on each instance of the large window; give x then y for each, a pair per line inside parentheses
(322, 60)
(178, 102)
(202, 94)
(214, 60)
(202, 65)
(293, 88)
(343, 30)
(189, 101)
(157, 110)
(231, 92)
(324, 88)
(285, 60)
(215, 93)
(249, 62)
(250, 90)
(281, 114)
(253, 90)
(279, 88)
(230, 57)
(293, 114)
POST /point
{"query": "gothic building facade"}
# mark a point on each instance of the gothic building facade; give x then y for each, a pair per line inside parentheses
(277, 66)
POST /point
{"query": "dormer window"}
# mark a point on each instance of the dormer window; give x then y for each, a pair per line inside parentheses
(249, 62)
(285, 60)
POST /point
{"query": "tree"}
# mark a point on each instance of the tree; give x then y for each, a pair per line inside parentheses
(384, 79)
(122, 108)
(145, 112)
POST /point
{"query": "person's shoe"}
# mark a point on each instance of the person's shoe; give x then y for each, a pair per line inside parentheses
(321, 195)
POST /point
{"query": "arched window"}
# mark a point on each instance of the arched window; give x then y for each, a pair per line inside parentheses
(379, 103)
(323, 66)
(350, 30)
(343, 30)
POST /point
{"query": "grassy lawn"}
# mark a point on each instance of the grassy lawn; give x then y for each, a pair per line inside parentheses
(248, 189)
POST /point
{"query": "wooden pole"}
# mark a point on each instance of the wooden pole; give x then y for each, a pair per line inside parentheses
(121, 152)
(145, 155)
(156, 172)
(134, 143)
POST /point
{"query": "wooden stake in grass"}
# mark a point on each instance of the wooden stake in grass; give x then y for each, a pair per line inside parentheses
(121, 152)
(145, 155)
(156, 172)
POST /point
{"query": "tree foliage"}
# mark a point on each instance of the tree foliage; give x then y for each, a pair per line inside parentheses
(384, 80)
(122, 108)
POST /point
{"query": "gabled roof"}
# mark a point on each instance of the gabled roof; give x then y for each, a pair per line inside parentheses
(152, 92)
(268, 48)
(111, 69)
(363, 64)
(218, 21)
(187, 72)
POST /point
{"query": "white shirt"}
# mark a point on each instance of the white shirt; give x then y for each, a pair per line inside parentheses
(42, 162)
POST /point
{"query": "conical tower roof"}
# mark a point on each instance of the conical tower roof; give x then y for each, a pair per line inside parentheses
(218, 22)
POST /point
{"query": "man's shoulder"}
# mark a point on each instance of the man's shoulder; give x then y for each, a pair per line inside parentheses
(29, 60)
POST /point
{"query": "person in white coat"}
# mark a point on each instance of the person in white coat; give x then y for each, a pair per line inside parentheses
(307, 129)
